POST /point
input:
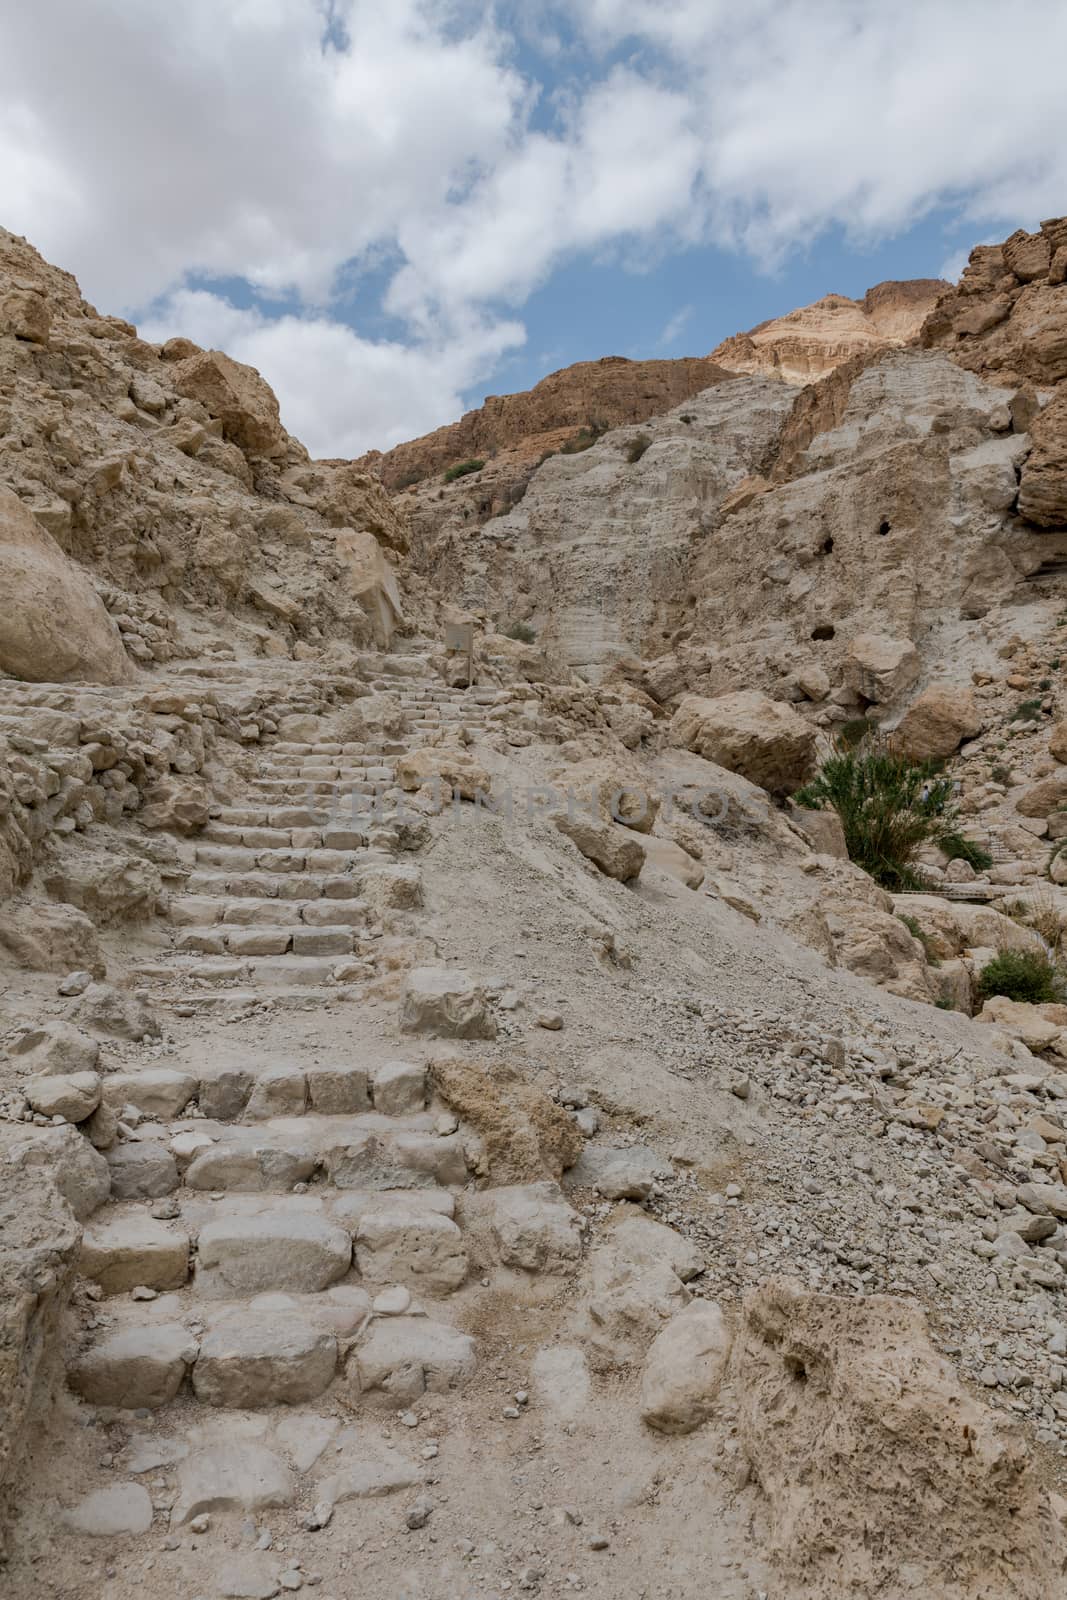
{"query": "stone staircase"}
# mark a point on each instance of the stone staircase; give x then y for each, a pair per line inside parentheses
(311, 1243)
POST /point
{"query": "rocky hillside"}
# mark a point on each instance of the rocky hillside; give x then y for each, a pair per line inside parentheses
(808, 343)
(564, 410)
(490, 1132)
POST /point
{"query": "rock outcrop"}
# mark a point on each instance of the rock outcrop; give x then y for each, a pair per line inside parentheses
(808, 343)
(589, 396)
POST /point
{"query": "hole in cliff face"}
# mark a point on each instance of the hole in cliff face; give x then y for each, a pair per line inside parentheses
(825, 630)
(884, 528)
(827, 545)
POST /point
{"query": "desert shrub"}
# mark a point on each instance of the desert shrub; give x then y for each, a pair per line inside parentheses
(521, 631)
(1001, 775)
(889, 808)
(408, 480)
(957, 848)
(637, 447)
(461, 469)
(687, 417)
(1025, 710)
(1026, 975)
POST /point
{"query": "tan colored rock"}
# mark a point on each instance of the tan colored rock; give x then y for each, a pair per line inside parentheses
(684, 1368)
(242, 401)
(1022, 1020)
(1057, 742)
(24, 314)
(938, 722)
(879, 668)
(808, 343)
(1043, 798)
(446, 1003)
(53, 627)
(55, 1047)
(609, 790)
(1043, 481)
(370, 581)
(135, 1367)
(850, 1422)
(765, 740)
(51, 938)
(178, 804)
(525, 1136)
(348, 498)
(460, 772)
(121, 1252)
(73, 1095)
(607, 845)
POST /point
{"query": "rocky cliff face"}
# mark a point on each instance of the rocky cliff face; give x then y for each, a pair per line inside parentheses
(808, 343)
(589, 396)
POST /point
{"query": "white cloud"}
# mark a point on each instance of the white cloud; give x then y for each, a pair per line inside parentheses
(676, 327)
(339, 393)
(145, 143)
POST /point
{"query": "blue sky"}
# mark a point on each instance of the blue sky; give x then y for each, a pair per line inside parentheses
(392, 211)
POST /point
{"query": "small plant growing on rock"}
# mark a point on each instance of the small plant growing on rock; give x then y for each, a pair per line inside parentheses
(1026, 975)
(889, 808)
(917, 931)
(637, 447)
(520, 631)
(461, 470)
(1025, 710)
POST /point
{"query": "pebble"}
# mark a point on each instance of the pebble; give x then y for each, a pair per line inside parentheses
(418, 1513)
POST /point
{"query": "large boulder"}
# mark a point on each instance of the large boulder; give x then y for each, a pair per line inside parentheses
(1043, 482)
(602, 787)
(346, 497)
(937, 722)
(242, 401)
(880, 668)
(439, 765)
(43, 937)
(684, 1368)
(765, 740)
(53, 625)
(612, 848)
(370, 581)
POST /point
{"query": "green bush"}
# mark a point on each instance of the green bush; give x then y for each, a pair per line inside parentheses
(461, 469)
(916, 930)
(521, 631)
(637, 447)
(855, 730)
(1026, 975)
(957, 848)
(889, 808)
(1025, 710)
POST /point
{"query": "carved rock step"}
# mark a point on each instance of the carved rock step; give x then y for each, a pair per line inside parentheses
(282, 970)
(202, 911)
(328, 939)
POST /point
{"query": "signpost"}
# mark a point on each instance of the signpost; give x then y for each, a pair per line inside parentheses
(459, 636)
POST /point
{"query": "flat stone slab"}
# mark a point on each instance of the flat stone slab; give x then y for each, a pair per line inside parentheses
(247, 1255)
(120, 1508)
(252, 1358)
(135, 1367)
(231, 1477)
(157, 1092)
(124, 1252)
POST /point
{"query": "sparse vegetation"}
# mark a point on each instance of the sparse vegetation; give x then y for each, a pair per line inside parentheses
(687, 417)
(855, 730)
(917, 931)
(1025, 710)
(462, 469)
(889, 808)
(1000, 774)
(521, 631)
(637, 447)
(957, 848)
(1026, 975)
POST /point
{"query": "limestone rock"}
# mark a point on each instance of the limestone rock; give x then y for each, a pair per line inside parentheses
(879, 668)
(399, 1088)
(1043, 481)
(607, 845)
(402, 1358)
(141, 1170)
(178, 804)
(54, 627)
(937, 722)
(684, 1368)
(159, 1092)
(765, 740)
(121, 1508)
(56, 1047)
(524, 1135)
(108, 887)
(125, 1251)
(249, 1360)
(423, 1250)
(244, 1255)
(135, 1367)
(338, 1090)
(231, 1477)
(1022, 1020)
(439, 765)
(619, 1174)
(102, 1008)
(1057, 742)
(51, 938)
(447, 1003)
(241, 400)
(610, 790)
(1044, 797)
(370, 581)
(73, 1095)
(534, 1228)
(24, 314)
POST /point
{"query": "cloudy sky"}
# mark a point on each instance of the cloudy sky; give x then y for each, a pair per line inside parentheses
(394, 207)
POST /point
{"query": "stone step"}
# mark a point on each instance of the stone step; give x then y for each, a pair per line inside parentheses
(206, 912)
(267, 940)
(335, 856)
(271, 885)
(295, 968)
